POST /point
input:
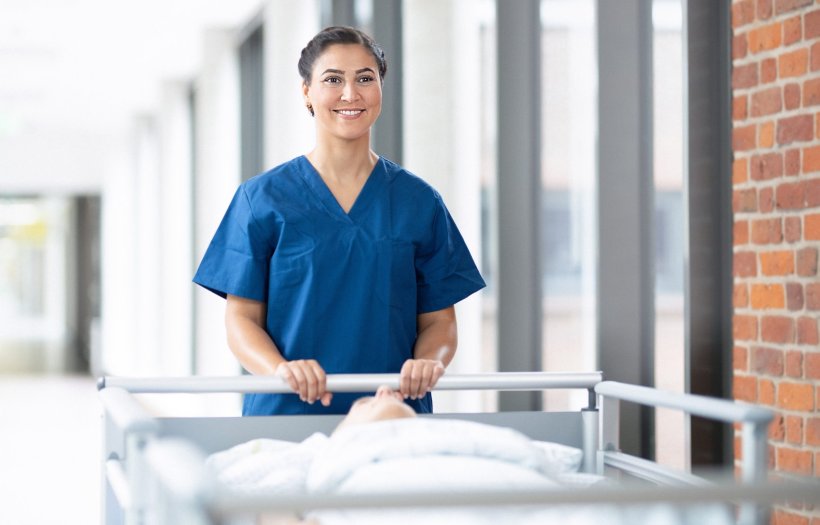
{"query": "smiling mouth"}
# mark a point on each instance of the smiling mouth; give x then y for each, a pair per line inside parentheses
(349, 112)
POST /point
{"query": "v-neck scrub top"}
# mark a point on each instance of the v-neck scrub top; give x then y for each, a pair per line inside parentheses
(341, 288)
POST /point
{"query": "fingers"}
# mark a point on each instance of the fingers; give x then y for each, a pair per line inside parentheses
(307, 378)
(419, 376)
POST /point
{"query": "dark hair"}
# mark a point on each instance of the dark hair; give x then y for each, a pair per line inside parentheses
(338, 35)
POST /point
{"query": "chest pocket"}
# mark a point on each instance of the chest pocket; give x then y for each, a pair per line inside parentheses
(395, 279)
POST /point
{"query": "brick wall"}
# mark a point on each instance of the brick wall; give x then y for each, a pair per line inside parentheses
(776, 204)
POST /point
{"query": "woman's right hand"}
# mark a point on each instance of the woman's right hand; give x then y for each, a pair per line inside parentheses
(307, 378)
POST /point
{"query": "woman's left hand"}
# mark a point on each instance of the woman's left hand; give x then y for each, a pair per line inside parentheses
(419, 376)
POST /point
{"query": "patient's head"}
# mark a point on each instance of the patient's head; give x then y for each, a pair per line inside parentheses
(386, 404)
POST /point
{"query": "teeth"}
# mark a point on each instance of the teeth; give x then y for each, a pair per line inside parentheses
(350, 112)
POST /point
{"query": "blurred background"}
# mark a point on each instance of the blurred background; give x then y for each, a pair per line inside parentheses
(125, 128)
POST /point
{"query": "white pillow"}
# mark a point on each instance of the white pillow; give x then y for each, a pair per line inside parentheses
(562, 458)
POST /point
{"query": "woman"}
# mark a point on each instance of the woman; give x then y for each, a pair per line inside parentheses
(339, 261)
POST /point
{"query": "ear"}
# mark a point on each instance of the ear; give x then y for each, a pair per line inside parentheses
(305, 88)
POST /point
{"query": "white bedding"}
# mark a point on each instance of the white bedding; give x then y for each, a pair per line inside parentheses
(431, 454)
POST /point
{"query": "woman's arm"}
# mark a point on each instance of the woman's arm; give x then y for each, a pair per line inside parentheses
(435, 347)
(258, 354)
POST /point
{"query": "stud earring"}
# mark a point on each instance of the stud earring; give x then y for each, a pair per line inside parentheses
(309, 108)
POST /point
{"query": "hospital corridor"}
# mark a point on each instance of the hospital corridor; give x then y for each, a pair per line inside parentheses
(260, 257)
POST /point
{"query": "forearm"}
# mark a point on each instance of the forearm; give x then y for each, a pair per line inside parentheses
(437, 338)
(247, 338)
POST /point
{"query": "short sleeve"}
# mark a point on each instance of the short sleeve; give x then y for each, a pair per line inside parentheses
(236, 261)
(445, 269)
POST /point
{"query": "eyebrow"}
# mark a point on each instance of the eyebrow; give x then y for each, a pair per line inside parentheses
(340, 72)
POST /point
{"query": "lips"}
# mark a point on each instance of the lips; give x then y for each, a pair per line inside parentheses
(349, 112)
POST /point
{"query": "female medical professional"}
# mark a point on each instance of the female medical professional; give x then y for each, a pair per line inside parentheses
(339, 261)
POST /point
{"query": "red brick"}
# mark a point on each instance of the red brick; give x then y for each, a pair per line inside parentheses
(777, 329)
(744, 138)
(768, 70)
(740, 171)
(765, 392)
(765, 38)
(777, 428)
(782, 516)
(791, 196)
(744, 200)
(745, 264)
(813, 296)
(815, 56)
(766, 166)
(744, 327)
(768, 296)
(813, 431)
(740, 108)
(764, 9)
(792, 229)
(794, 296)
(791, 162)
(744, 77)
(794, 430)
(791, 96)
(811, 92)
(743, 13)
(767, 231)
(794, 63)
(744, 388)
(811, 227)
(765, 200)
(811, 22)
(767, 361)
(792, 30)
(740, 358)
(777, 263)
(807, 262)
(793, 129)
(765, 135)
(797, 462)
(740, 47)
(811, 159)
(740, 233)
(766, 102)
(795, 396)
(794, 364)
(807, 331)
(783, 6)
(813, 193)
(812, 366)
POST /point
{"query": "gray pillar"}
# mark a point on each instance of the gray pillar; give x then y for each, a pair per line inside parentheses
(626, 278)
(387, 31)
(519, 190)
(708, 187)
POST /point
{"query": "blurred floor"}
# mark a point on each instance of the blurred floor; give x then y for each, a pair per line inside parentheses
(50, 434)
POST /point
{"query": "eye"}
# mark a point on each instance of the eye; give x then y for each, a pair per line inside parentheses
(366, 79)
(333, 80)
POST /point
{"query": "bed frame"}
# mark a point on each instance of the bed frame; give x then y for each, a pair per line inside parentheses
(142, 453)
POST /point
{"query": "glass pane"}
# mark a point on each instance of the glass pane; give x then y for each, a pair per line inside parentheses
(568, 214)
(669, 241)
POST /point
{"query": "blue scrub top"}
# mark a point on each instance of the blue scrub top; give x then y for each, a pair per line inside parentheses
(341, 288)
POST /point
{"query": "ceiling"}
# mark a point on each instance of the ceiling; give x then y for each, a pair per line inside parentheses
(74, 73)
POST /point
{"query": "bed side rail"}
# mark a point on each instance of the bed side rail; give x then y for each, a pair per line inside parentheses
(754, 420)
(352, 382)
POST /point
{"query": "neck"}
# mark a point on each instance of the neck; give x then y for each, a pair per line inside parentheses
(343, 161)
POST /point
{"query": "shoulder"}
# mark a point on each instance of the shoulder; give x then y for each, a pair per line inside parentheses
(278, 179)
(404, 180)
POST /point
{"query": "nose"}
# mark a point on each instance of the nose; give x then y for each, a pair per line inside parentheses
(349, 92)
(384, 391)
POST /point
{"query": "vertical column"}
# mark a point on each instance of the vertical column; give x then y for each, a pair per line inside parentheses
(519, 169)
(387, 31)
(708, 212)
(626, 279)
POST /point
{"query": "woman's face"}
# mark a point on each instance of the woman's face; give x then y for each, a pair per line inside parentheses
(345, 91)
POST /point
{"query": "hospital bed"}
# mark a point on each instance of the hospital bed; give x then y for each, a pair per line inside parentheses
(154, 467)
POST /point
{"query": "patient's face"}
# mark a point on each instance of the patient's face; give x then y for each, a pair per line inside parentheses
(386, 404)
